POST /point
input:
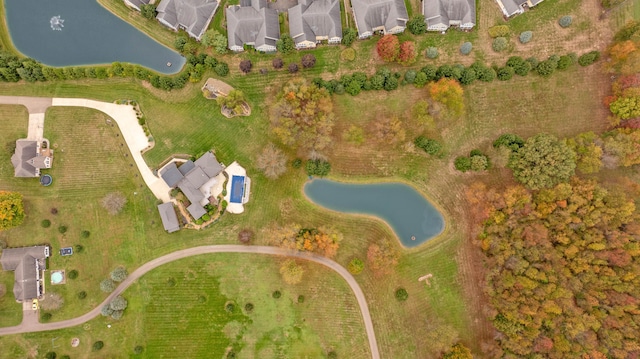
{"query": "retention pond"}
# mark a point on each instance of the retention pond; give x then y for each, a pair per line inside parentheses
(81, 32)
(413, 219)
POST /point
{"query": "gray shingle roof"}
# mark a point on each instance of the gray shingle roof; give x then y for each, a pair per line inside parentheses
(209, 164)
(25, 151)
(193, 194)
(171, 175)
(192, 15)
(371, 14)
(252, 24)
(197, 177)
(196, 210)
(186, 167)
(25, 263)
(443, 11)
(137, 3)
(310, 19)
(169, 217)
(513, 6)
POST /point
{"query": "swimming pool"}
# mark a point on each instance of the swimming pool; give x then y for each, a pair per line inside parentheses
(237, 189)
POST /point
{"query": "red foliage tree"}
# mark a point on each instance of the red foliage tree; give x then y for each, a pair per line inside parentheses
(407, 53)
(388, 48)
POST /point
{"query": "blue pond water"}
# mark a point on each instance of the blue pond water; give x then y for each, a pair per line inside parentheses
(87, 35)
(407, 212)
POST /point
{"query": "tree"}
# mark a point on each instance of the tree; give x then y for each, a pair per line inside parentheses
(401, 294)
(382, 257)
(11, 210)
(390, 130)
(511, 141)
(462, 163)
(317, 168)
(180, 42)
(222, 69)
(245, 236)
(458, 351)
(588, 154)
(148, 11)
(107, 285)
(114, 202)
(98, 345)
(546, 68)
(119, 274)
(449, 93)
(428, 145)
(291, 271)
(505, 73)
(356, 266)
(293, 68)
(118, 303)
(525, 37)
(213, 38)
(308, 61)
(245, 66)
(542, 162)
(417, 25)
(388, 48)
(625, 107)
(303, 116)
(272, 161)
(285, 44)
(407, 53)
(234, 101)
(349, 35)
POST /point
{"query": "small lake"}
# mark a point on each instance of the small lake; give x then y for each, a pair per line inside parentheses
(407, 212)
(87, 34)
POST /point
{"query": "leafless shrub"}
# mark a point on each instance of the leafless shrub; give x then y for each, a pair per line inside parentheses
(272, 162)
(114, 202)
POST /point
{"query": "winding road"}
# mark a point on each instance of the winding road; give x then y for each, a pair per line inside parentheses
(27, 327)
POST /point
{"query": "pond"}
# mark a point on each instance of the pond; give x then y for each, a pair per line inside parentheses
(413, 219)
(81, 32)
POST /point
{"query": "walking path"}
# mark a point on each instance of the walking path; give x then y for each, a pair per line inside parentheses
(30, 326)
(124, 115)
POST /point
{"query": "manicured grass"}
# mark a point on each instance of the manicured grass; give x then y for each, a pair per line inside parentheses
(10, 310)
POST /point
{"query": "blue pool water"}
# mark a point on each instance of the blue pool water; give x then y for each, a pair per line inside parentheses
(237, 189)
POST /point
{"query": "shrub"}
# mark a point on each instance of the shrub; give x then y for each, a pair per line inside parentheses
(466, 48)
(245, 66)
(221, 69)
(46, 317)
(301, 299)
(318, 167)
(229, 307)
(85, 234)
(428, 145)
(349, 35)
(297, 163)
(509, 140)
(276, 294)
(107, 285)
(401, 294)
(277, 63)
(499, 44)
(54, 211)
(62, 229)
(73, 274)
(565, 21)
(81, 294)
(285, 44)
(356, 266)
(525, 37)
(388, 48)
(106, 310)
(505, 73)
(79, 248)
(98, 345)
(118, 303)
(564, 62)
(589, 58)
(417, 25)
(293, 68)
(546, 68)
(45, 223)
(308, 61)
(462, 163)
(51, 355)
(248, 307)
(348, 54)
(114, 202)
(410, 76)
(499, 31)
(432, 52)
(119, 274)
(479, 162)
(421, 79)
(332, 355)
(138, 349)
(468, 76)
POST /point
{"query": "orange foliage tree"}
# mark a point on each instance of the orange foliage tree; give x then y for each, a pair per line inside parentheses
(449, 93)
(325, 241)
(388, 48)
(407, 54)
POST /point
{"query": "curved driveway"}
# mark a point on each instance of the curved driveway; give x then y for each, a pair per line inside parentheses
(225, 248)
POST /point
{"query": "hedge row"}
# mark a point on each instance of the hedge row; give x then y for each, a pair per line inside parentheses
(14, 69)
(356, 82)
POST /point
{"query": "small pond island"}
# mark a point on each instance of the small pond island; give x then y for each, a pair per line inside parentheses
(413, 219)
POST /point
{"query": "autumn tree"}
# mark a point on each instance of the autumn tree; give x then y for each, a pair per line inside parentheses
(245, 66)
(114, 202)
(407, 54)
(277, 63)
(272, 161)
(542, 162)
(234, 101)
(621, 147)
(458, 351)
(389, 130)
(308, 61)
(382, 257)
(11, 210)
(449, 93)
(303, 116)
(388, 48)
(588, 153)
(291, 271)
(325, 241)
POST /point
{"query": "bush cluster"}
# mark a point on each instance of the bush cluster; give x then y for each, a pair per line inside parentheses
(499, 31)
(428, 145)
(476, 161)
(318, 168)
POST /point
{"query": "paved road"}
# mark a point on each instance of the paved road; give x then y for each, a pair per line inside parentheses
(226, 248)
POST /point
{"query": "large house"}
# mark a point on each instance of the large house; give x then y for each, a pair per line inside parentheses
(193, 16)
(28, 263)
(195, 180)
(312, 21)
(441, 14)
(386, 16)
(252, 23)
(30, 157)
(136, 4)
(514, 7)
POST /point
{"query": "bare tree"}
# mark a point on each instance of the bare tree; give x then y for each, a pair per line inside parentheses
(272, 162)
(293, 68)
(245, 66)
(277, 63)
(308, 61)
(114, 202)
(245, 236)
